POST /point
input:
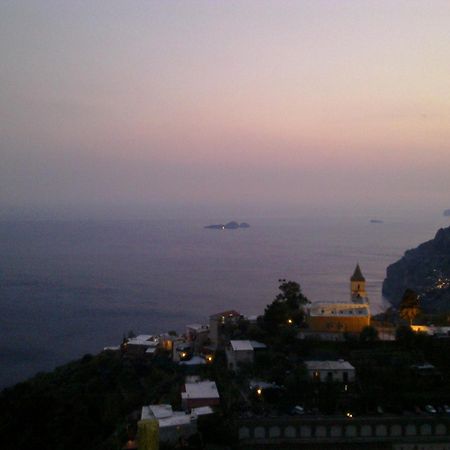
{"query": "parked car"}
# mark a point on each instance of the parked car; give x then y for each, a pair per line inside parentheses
(430, 409)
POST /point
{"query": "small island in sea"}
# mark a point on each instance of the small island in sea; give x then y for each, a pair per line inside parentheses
(376, 221)
(228, 226)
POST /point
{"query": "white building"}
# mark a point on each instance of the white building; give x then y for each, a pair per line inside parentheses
(182, 350)
(431, 330)
(139, 344)
(172, 424)
(340, 371)
(147, 340)
(242, 351)
(200, 393)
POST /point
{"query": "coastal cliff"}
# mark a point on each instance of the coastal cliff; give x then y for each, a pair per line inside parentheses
(426, 270)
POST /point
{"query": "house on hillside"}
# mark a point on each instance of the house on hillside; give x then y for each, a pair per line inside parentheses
(217, 325)
(139, 345)
(197, 393)
(182, 350)
(331, 371)
(241, 352)
(198, 335)
(173, 425)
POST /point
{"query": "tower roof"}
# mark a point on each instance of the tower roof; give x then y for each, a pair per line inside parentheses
(357, 274)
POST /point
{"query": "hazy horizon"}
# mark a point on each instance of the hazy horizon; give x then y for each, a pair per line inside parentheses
(224, 109)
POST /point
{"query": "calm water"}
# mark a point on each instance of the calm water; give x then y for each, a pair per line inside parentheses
(70, 288)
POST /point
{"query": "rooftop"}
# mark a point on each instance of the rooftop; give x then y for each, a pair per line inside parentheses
(329, 365)
(201, 389)
(194, 361)
(161, 411)
(230, 313)
(256, 344)
(166, 416)
(357, 274)
(254, 384)
(239, 346)
(202, 410)
(112, 347)
(197, 327)
(144, 339)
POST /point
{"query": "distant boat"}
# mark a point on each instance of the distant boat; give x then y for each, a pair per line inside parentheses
(376, 221)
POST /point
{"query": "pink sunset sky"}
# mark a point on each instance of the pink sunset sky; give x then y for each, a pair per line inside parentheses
(246, 106)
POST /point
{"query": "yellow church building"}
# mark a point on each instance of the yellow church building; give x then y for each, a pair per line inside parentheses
(340, 317)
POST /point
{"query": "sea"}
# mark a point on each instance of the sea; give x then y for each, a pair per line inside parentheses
(68, 288)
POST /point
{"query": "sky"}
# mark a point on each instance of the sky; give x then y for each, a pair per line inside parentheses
(245, 107)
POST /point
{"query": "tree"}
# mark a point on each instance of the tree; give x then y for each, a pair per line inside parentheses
(291, 293)
(409, 306)
(287, 308)
(131, 334)
(404, 334)
(368, 334)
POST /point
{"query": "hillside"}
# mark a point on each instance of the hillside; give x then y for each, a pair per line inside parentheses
(83, 404)
(425, 269)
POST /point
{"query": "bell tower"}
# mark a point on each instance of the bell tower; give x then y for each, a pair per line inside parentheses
(358, 292)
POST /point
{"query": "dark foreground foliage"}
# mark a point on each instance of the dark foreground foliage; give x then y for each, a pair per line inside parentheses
(83, 404)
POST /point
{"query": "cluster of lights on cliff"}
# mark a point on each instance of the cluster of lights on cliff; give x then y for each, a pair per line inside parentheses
(442, 283)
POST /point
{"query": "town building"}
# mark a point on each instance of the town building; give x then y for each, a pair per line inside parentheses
(338, 317)
(166, 341)
(198, 335)
(138, 346)
(241, 352)
(342, 317)
(432, 330)
(337, 371)
(173, 425)
(358, 292)
(217, 325)
(182, 350)
(196, 394)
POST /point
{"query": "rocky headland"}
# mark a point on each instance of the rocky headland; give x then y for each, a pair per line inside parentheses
(426, 270)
